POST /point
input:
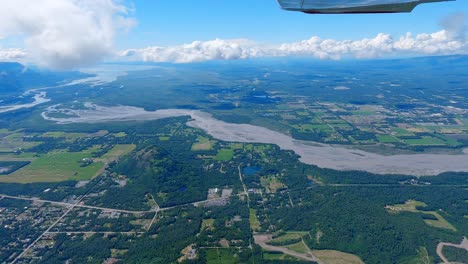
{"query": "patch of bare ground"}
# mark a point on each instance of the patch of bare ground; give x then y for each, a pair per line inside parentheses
(262, 240)
(336, 257)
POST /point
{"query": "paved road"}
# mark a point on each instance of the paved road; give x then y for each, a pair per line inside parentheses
(39, 237)
(74, 205)
(441, 245)
(92, 233)
(243, 185)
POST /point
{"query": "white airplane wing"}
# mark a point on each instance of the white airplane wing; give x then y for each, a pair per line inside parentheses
(352, 6)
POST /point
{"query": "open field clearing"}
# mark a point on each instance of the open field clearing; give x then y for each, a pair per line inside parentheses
(203, 143)
(254, 223)
(118, 151)
(298, 247)
(225, 155)
(207, 224)
(264, 240)
(425, 141)
(218, 255)
(411, 206)
(278, 256)
(11, 141)
(62, 166)
(271, 184)
(74, 136)
(287, 239)
(387, 139)
(336, 257)
(55, 167)
(25, 156)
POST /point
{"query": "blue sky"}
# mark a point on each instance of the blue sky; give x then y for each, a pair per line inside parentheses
(169, 22)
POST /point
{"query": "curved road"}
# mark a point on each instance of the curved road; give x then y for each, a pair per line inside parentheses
(441, 245)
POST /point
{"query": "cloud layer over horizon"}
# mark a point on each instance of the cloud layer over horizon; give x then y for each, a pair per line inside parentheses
(451, 40)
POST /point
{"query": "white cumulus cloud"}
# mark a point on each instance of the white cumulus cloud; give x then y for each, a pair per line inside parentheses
(438, 43)
(12, 55)
(196, 51)
(64, 33)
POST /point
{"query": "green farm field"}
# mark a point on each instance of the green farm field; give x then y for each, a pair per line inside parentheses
(55, 167)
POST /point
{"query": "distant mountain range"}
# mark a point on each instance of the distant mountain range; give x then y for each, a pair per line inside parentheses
(15, 77)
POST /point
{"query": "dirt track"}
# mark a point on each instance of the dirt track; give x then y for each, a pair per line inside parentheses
(441, 245)
(262, 240)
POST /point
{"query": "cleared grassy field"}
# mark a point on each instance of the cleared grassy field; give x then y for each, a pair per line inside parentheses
(271, 184)
(203, 143)
(55, 167)
(387, 139)
(67, 136)
(220, 256)
(120, 135)
(118, 151)
(313, 127)
(60, 166)
(421, 258)
(363, 112)
(299, 247)
(254, 223)
(425, 141)
(207, 224)
(74, 136)
(278, 256)
(12, 141)
(225, 154)
(410, 206)
(287, 237)
(402, 132)
(336, 257)
(236, 146)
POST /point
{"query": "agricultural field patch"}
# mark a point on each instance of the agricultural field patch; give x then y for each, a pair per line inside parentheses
(56, 167)
(312, 127)
(219, 255)
(425, 141)
(387, 139)
(402, 132)
(225, 155)
(203, 143)
(120, 135)
(118, 151)
(12, 141)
